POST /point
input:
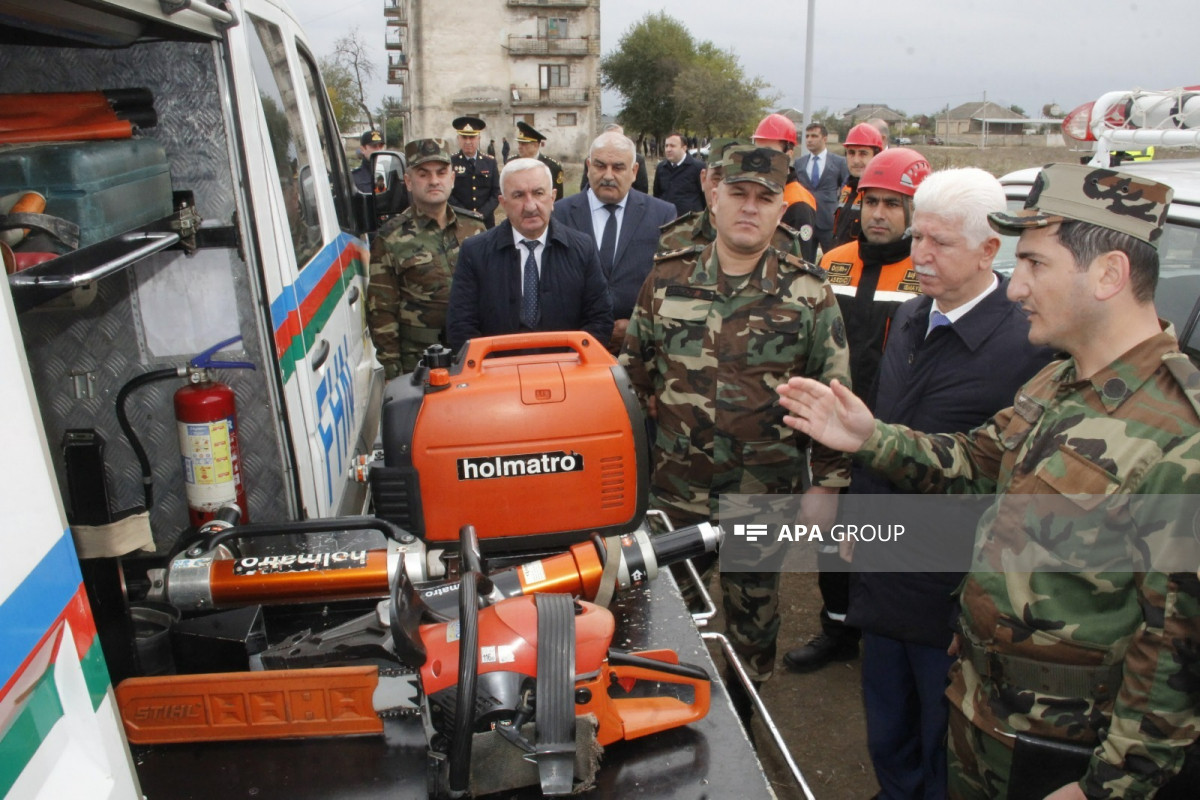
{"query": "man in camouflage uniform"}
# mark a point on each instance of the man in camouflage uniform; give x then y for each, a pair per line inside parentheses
(412, 260)
(529, 145)
(1052, 644)
(712, 334)
(695, 228)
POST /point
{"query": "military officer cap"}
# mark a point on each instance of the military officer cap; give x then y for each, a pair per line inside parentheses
(717, 148)
(469, 126)
(371, 137)
(760, 165)
(421, 151)
(1104, 197)
(527, 133)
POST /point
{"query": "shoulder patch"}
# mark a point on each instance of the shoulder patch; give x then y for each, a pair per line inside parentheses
(679, 220)
(799, 263)
(682, 252)
(466, 212)
(1186, 375)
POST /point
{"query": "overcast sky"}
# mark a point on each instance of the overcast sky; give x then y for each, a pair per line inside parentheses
(917, 56)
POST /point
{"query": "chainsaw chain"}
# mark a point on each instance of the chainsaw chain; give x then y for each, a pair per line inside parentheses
(400, 672)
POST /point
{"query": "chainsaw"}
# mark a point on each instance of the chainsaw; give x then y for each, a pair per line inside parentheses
(539, 697)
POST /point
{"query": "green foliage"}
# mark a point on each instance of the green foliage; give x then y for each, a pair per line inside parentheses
(392, 121)
(671, 82)
(339, 86)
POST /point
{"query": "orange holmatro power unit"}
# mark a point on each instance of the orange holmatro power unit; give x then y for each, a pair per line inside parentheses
(537, 440)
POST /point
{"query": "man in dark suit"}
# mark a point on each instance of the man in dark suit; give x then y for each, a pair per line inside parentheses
(641, 181)
(622, 223)
(830, 172)
(528, 273)
(476, 174)
(677, 177)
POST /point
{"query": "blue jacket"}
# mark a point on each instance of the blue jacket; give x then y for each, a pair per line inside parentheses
(636, 244)
(485, 295)
(951, 382)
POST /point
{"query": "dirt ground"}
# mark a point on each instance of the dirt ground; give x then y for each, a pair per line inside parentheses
(820, 714)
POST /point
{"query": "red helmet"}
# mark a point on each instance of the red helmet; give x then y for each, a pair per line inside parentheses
(776, 126)
(864, 135)
(898, 169)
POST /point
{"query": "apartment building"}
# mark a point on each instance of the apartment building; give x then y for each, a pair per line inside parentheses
(502, 60)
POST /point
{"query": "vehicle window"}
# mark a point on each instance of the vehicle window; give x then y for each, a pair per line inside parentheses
(331, 146)
(276, 90)
(1178, 277)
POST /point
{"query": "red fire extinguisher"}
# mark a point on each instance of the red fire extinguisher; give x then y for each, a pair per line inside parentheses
(206, 417)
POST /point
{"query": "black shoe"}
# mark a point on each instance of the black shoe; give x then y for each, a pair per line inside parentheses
(820, 651)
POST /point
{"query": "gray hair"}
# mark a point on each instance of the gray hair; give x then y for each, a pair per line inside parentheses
(967, 195)
(614, 139)
(521, 165)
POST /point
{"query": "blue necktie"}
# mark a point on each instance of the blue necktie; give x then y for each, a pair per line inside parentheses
(937, 320)
(816, 170)
(608, 242)
(530, 303)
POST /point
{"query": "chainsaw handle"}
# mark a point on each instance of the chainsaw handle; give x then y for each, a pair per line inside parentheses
(642, 716)
(589, 350)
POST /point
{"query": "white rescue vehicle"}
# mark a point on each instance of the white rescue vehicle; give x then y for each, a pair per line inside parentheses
(194, 192)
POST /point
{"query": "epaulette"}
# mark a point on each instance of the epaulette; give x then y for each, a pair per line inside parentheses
(788, 229)
(683, 218)
(466, 212)
(1187, 375)
(800, 263)
(681, 252)
(485, 155)
(552, 161)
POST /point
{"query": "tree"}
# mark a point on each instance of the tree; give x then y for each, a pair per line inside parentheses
(351, 54)
(644, 69)
(1016, 109)
(715, 96)
(671, 82)
(338, 85)
(391, 118)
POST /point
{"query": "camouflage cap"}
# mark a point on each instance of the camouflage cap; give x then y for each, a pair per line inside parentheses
(419, 151)
(762, 165)
(1114, 200)
(718, 147)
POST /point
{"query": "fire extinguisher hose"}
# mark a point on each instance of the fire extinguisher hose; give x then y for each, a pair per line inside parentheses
(123, 419)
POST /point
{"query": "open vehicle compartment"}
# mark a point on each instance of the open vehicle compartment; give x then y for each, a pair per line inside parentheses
(101, 346)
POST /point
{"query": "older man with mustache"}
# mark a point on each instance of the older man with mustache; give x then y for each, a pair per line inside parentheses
(622, 222)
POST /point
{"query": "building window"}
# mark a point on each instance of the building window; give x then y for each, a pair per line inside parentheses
(526, 118)
(552, 75)
(567, 119)
(552, 28)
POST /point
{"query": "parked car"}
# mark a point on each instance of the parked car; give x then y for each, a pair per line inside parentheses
(934, 140)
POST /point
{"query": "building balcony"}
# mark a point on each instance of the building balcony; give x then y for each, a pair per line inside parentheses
(525, 96)
(551, 3)
(396, 10)
(395, 38)
(545, 46)
(397, 76)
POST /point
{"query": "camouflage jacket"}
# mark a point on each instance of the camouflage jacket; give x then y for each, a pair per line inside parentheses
(412, 262)
(711, 349)
(695, 228)
(1038, 591)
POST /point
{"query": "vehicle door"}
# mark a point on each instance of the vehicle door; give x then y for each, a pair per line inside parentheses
(306, 255)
